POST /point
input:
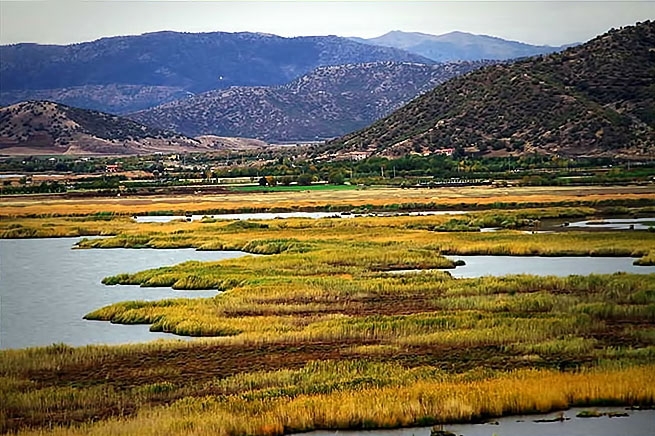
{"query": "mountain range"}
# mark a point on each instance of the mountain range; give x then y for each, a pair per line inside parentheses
(459, 46)
(129, 73)
(328, 102)
(594, 99)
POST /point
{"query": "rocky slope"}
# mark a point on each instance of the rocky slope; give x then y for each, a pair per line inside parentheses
(459, 46)
(326, 103)
(596, 99)
(41, 127)
(156, 66)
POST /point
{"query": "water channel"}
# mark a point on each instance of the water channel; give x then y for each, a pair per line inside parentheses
(615, 224)
(638, 423)
(46, 288)
(478, 266)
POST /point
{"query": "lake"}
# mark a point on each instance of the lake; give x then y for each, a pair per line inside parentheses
(639, 423)
(46, 288)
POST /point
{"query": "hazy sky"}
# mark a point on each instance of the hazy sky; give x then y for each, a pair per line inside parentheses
(536, 22)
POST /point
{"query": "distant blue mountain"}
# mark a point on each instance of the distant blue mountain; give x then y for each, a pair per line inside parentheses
(459, 46)
(128, 73)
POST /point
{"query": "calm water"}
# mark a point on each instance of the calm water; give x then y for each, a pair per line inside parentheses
(639, 423)
(278, 215)
(46, 288)
(478, 266)
(616, 224)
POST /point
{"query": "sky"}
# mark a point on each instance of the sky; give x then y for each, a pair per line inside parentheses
(531, 21)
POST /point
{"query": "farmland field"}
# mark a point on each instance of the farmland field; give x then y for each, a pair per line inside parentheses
(390, 198)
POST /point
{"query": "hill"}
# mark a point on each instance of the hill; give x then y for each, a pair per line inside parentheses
(328, 102)
(597, 99)
(455, 46)
(129, 73)
(41, 127)
(112, 98)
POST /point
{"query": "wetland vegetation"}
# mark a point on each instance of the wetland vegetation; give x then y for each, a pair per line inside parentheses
(315, 334)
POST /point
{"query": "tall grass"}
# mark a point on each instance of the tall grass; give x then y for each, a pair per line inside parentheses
(521, 308)
(647, 259)
(414, 399)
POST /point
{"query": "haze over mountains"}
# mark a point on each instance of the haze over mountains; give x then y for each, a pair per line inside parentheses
(595, 99)
(459, 46)
(328, 102)
(125, 74)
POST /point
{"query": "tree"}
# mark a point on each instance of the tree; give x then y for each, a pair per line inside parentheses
(305, 179)
(336, 177)
(286, 180)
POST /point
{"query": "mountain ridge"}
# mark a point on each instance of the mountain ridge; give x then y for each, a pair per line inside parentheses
(325, 103)
(595, 99)
(180, 62)
(112, 98)
(458, 45)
